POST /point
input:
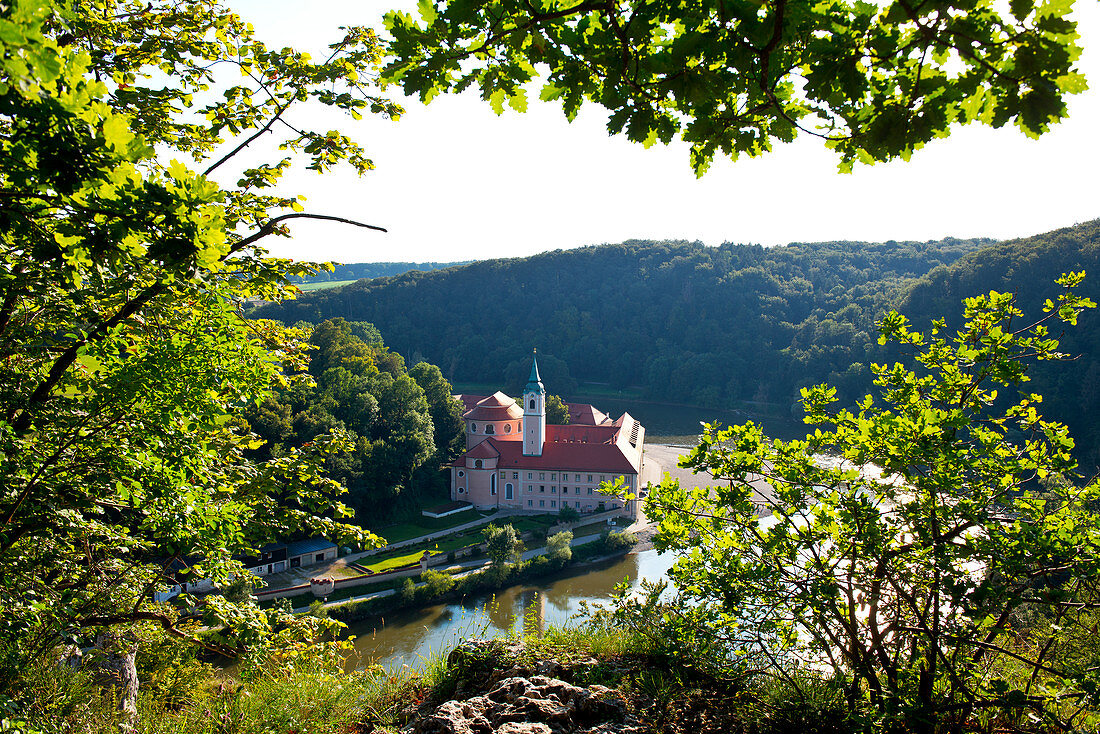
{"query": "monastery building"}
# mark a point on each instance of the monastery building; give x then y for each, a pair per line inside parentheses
(514, 460)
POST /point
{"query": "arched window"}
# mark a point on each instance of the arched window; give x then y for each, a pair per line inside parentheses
(477, 463)
(489, 428)
(508, 491)
(507, 427)
(493, 484)
(532, 403)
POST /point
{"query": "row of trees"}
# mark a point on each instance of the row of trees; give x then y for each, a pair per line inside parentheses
(356, 271)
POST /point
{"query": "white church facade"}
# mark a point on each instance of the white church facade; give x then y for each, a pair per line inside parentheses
(515, 460)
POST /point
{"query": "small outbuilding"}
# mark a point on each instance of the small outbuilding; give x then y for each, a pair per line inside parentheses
(310, 551)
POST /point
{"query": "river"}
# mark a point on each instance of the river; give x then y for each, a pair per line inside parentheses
(411, 637)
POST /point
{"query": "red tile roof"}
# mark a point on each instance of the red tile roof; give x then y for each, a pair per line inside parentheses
(581, 434)
(600, 457)
(496, 407)
(586, 414)
(469, 401)
(483, 450)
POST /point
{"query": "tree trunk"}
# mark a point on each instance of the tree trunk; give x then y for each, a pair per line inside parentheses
(119, 671)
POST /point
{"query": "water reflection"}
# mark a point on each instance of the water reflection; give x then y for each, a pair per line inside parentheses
(411, 637)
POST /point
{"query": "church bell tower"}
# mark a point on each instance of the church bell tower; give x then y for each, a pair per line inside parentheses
(534, 411)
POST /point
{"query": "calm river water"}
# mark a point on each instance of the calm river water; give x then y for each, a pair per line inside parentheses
(410, 637)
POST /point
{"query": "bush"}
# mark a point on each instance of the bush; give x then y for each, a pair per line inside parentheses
(558, 548)
(568, 514)
(408, 591)
(617, 540)
(436, 584)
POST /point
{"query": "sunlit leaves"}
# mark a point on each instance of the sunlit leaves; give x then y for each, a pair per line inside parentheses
(876, 82)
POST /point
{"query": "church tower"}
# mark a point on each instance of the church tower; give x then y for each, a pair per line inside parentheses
(534, 412)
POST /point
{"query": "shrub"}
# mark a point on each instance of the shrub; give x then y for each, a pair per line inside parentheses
(558, 547)
(408, 591)
(436, 584)
(568, 514)
(617, 540)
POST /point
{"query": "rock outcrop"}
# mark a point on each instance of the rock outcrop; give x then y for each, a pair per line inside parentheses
(522, 699)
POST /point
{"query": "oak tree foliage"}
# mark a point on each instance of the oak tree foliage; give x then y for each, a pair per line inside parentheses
(874, 81)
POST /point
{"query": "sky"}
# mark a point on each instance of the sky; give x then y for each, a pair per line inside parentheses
(456, 182)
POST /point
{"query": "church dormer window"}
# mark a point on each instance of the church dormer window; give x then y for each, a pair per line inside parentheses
(477, 463)
(489, 428)
(473, 428)
(507, 427)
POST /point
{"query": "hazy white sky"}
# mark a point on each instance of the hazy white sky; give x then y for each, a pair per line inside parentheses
(456, 182)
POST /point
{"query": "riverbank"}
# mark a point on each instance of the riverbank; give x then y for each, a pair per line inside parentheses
(434, 587)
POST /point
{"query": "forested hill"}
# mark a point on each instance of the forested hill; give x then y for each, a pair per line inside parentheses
(357, 271)
(708, 325)
(1029, 267)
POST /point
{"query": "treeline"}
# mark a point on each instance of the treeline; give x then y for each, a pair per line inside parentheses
(405, 422)
(358, 271)
(686, 322)
(1028, 267)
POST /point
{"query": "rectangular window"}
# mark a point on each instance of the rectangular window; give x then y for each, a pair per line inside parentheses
(589, 490)
(565, 490)
(530, 503)
(553, 503)
(542, 475)
(577, 477)
(542, 487)
(528, 475)
(590, 477)
(542, 503)
(554, 489)
(602, 478)
(515, 475)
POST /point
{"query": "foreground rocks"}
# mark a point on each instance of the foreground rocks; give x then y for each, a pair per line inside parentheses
(522, 699)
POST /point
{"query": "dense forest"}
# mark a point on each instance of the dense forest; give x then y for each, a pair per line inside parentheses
(717, 325)
(404, 422)
(688, 323)
(358, 271)
(1028, 267)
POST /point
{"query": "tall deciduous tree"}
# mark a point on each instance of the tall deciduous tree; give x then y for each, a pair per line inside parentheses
(910, 564)
(875, 81)
(123, 352)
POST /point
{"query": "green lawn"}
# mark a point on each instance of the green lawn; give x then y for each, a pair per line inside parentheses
(386, 561)
(426, 526)
(322, 284)
(592, 529)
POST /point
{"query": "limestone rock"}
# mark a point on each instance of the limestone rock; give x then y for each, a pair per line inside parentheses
(536, 705)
